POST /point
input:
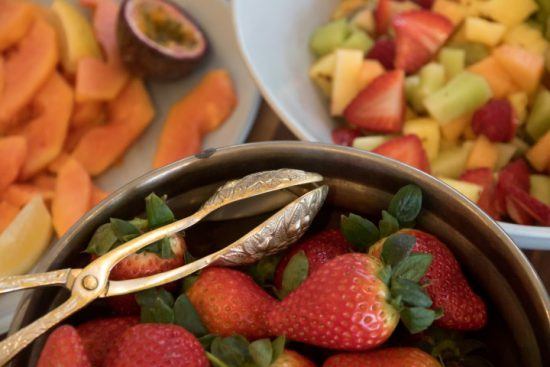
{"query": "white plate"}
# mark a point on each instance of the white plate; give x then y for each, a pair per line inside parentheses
(215, 18)
(274, 37)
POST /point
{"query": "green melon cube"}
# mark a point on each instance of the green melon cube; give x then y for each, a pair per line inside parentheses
(538, 122)
(453, 60)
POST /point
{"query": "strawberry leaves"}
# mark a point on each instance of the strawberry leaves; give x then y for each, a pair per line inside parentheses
(360, 232)
(295, 273)
(158, 213)
(236, 351)
(396, 248)
(406, 204)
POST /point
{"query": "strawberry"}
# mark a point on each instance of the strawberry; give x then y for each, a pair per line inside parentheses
(534, 208)
(156, 345)
(319, 249)
(495, 120)
(419, 35)
(447, 286)
(98, 335)
(346, 304)
(382, 16)
(515, 173)
(517, 213)
(426, 4)
(229, 302)
(389, 357)
(380, 106)
(484, 178)
(290, 358)
(64, 348)
(407, 149)
(383, 51)
(345, 136)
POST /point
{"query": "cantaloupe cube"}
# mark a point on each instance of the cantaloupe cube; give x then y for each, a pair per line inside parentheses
(499, 80)
(507, 12)
(483, 154)
(346, 73)
(453, 11)
(451, 131)
(369, 71)
(519, 101)
(539, 154)
(483, 31)
(526, 36)
(428, 132)
(524, 67)
(505, 153)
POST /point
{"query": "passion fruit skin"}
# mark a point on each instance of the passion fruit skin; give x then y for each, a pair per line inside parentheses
(142, 58)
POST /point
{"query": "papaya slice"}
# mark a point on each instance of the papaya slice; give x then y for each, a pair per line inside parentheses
(105, 20)
(20, 194)
(72, 197)
(97, 196)
(8, 212)
(44, 181)
(99, 81)
(2, 76)
(46, 133)
(26, 69)
(199, 112)
(16, 17)
(87, 114)
(13, 150)
(58, 162)
(128, 116)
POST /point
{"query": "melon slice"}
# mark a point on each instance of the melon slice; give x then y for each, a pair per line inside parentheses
(499, 80)
(99, 81)
(483, 154)
(73, 193)
(13, 150)
(128, 116)
(46, 133)
(16, 16)
(25, 239)
(27, 69)
(524, 67)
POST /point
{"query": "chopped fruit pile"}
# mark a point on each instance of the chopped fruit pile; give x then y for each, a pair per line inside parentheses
(69, 110)
(458, 89)
(361, 295)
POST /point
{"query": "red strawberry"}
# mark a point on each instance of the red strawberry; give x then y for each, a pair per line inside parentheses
(230, 302)
(484, 177)
(495, 120)
(64, 348)
(406, 357)
(407, 149)
(426, 4)
(380, 106)
(515, 173)
(517, 213)
(343, 305)
(156, 345)
(319, 249)
(345, 136)
(447, 286)
(419, 35)
(98, 335)
(383, 50)
(290, 358)
(534, 208)
(382, 16)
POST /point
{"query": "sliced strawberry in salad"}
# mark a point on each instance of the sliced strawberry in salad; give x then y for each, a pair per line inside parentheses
(382, 16)
(495, 120)
(484, 178)
(383, 51)
(407, 149)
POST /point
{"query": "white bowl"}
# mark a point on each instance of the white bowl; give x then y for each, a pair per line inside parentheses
(273, 36)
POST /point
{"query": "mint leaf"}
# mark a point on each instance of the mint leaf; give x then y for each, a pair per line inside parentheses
(264, 270)
(140, 224)
(158, 213)
(261, 352)
(295, 273)
(385, 274)
(232, 350)
(215, 361)
(278, 346)
(124, 230)
(406, 203)
(186, 315)
(206, 340)
(410, 293)
(360, 232)
(102, 241)
(417, 319)
(166, 248)
(188, 282)
(396, 248)
(413, 267)
(388, 224)
(147, 297)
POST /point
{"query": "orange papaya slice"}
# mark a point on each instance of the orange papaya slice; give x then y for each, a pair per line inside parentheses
(20, 194)
(97, 80)
(26, 69)
(44, 181)
(72, 196)
(128, 116)
(7, 213)
(58, 162)
(16, 17)
(13, 150)
(105, 20)
(46, 133)
(87, 114)
(2, 75)
(199, 112)
(97, 196)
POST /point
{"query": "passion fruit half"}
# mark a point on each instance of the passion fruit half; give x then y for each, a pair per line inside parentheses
(158, 39)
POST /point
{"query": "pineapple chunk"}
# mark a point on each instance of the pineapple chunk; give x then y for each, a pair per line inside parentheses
(451, 131)
(453, 61)
(321, 72)
(540, 188)
(345, 79)
(539, 154)
(507, 12)
(483, 154)
(370, 142)
(455, 12)
(528, 37)
(505, 153)
(451, 162)
(519, 102)
(428, 132)
(468, 189)
(370, 70)
(347, 7)
(364, 20)
(483, 31)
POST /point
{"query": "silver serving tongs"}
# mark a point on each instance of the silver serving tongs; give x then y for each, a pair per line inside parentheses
(274, 234)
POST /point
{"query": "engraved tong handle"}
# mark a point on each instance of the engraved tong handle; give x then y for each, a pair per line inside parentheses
(14, 283)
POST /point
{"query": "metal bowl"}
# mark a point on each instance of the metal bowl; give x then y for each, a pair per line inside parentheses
(519, 327)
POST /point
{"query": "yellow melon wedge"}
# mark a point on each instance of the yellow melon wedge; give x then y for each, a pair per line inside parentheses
(25, 239)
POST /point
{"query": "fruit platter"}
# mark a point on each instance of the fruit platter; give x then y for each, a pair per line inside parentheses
(388, 285)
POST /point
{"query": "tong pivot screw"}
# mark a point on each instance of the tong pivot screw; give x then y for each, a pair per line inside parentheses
(89, 282)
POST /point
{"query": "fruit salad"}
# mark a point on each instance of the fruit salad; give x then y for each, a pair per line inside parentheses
(358, 295)
(456, 88)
